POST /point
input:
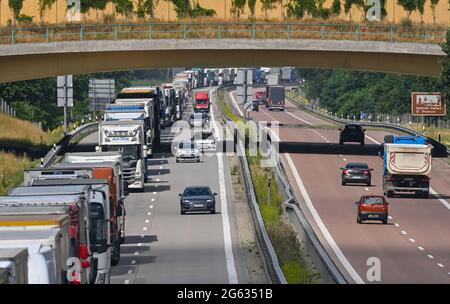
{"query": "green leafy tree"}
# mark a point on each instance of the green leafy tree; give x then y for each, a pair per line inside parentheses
(146, 8)
(123, 7)
(199, 11)
(16, 7)
(408, 5)
(299, 8)
(237, 7)
(433, 4)
(182, 8)
(336, 8)
(421, 8)
(445, 73)
(267, 5)
(43, 6)
(251, 6)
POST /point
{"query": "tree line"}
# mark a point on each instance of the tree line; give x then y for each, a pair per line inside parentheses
(348, 93)
(298, 9)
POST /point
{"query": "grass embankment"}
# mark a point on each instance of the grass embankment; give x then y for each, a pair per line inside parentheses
(16, 133)
(281, 234)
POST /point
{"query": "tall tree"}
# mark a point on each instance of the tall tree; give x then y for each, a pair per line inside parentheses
(251, 6)
(237, 7)
(43, 6)
(433, 4)
(299, 8)
(445, 74)
(421, 8)
(336, 8)
(15, 6)
(267, 5)
(199, 11)
(182, 8)
(408, 5)
(146, 8)
(123, 7)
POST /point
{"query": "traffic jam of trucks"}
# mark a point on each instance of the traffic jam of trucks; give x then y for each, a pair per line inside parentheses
(65, 224)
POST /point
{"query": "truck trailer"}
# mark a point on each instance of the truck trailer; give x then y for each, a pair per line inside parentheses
(406, 165)
(275, 98)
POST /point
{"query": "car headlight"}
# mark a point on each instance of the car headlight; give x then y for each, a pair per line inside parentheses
(209, 201)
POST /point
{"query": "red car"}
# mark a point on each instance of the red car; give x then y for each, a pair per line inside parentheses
(372, 207)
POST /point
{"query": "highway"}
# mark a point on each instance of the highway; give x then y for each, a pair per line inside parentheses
(163, 246)
(412, 248)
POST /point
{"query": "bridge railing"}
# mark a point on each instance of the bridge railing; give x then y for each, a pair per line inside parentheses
(222, 30)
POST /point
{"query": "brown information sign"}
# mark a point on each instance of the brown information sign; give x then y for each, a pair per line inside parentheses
(428, 104)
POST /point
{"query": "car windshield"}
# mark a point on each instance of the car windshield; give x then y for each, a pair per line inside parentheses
(196, 191)
(203, 136)
(373, 200)
(357, 166)
(187, 145)
(129, 152)
(352, 127)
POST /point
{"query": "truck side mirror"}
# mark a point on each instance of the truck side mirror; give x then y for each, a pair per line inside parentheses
(119, 211)
(145, 150)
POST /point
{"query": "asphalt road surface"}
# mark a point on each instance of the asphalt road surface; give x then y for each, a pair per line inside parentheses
(163, 246)
(413, 248)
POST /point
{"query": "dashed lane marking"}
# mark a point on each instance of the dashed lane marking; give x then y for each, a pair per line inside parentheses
(145, 228)
(147, 221)
(404, 232)
(440, 265)
(430, 256)
(412, 240)
(397, 225)
(421, 248)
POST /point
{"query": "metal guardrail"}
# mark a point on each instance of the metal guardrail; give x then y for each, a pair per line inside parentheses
(59, 147)
(222, 30)
(440, 150)
(269, 255)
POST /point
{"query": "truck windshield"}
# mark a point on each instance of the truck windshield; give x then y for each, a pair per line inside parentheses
(129, 152)
(98, 227)
(201, 101)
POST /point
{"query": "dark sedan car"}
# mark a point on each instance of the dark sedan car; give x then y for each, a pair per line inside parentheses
(351, 133)
(356, 173)
(198, 198)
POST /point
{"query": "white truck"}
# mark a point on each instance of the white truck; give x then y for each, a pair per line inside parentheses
(407, 164)
(46, 264)
(126, 137)
(13, 266)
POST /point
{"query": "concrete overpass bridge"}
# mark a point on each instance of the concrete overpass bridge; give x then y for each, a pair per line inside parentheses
(48, 52)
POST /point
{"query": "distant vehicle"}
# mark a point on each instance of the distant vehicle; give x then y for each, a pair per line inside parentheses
(206, 141)
(356, 173)
(201, 102)
(275, 98)
(198, 119)
(14, 262)
(187, 150)
(197, 199)
(406, 165)
(372, 207)
(352, 133)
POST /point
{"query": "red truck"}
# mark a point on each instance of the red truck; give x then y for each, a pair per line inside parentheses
(201, 102)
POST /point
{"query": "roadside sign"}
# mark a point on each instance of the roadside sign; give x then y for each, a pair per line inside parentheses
(65, 90)
(428, 104)
(241, 96)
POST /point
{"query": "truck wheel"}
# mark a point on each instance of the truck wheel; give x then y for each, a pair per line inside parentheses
(341, 142)
(362, 143)
(385, 221)
(388, 139)
(424, 194)
(344, 183)
(213, 211)
(183, 212)
(358, 220)
(369, 183)
(115, 257)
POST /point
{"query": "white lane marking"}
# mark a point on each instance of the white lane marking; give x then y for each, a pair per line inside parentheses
(440, 265)
(145, 228)
(149, 213)
(136, 253)
(420, 248)
(130, 271)
(154, 192)
(404, 232)
(430, 256)
(133, 262)
(443, 201)
(139, 244)
(147, 221)
(367, 189)
(412, 240)
(373, 140)
(397, 225)
(228, 245)
(344, 159)
(340, 255)
(151, 206)
(295, 116)
(389, 217)
(152, 199)
(127, 282)
(157, 179)
(235, 105)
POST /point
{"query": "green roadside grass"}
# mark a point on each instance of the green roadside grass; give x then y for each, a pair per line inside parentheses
(281, 234)
(11, 170)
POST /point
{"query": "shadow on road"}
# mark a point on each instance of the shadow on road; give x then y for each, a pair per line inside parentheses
(328, 148)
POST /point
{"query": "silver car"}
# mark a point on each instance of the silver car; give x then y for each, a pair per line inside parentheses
(187, 151)
(205, 140)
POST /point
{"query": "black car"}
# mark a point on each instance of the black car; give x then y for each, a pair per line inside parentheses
(356, 173)
(198, 198)
(351, 133)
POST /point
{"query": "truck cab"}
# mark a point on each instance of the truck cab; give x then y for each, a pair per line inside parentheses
(126, 137)
(201, 102)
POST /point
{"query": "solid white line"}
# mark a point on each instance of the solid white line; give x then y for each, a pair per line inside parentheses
(444, 202)
(228, 245)
(420, 248)
(321, 225)
(235, 105)
(295, 116)
(374, 140)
